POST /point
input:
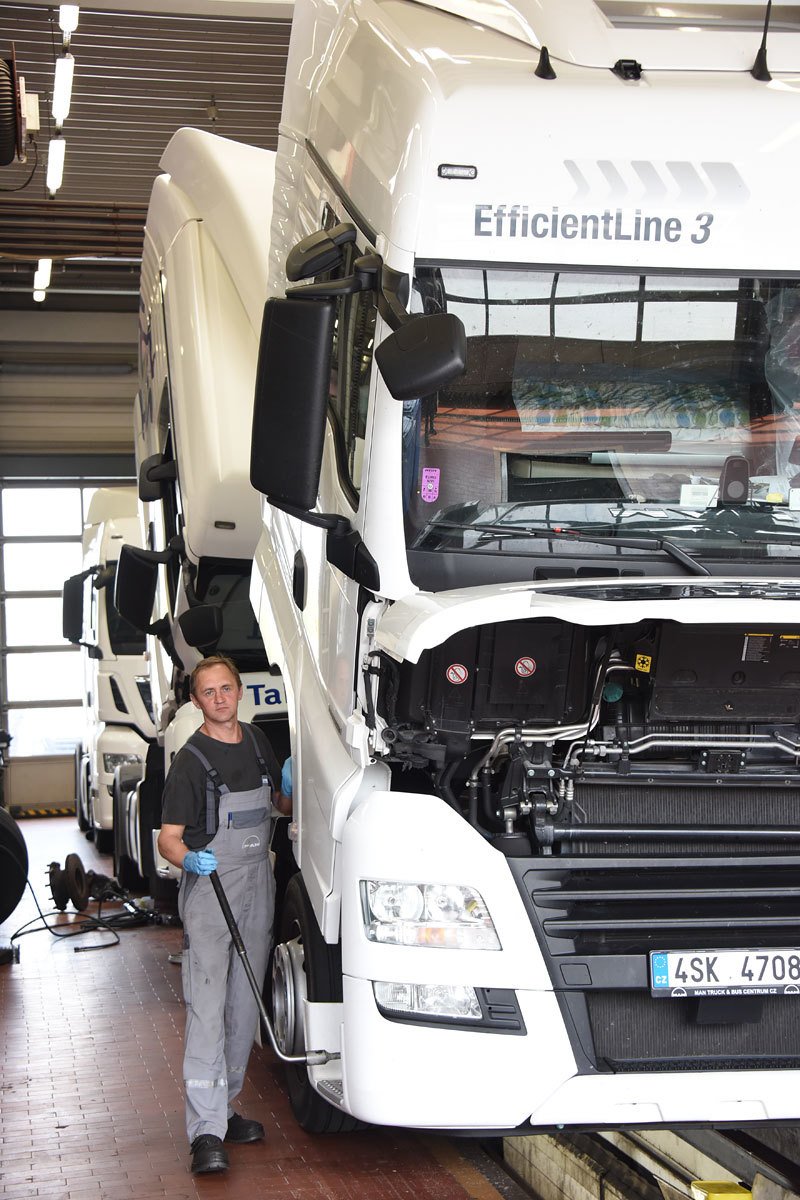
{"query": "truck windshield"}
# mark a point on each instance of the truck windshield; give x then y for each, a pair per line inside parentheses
(598, 411)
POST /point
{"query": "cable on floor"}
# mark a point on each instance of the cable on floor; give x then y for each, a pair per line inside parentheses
(133, 918)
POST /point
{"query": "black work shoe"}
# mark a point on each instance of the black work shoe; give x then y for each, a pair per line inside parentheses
(208, 1154)
(240, 1129)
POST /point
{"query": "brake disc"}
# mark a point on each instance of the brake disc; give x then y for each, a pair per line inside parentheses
(77, 883)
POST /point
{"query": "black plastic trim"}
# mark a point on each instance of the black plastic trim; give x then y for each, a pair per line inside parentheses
(490, 999)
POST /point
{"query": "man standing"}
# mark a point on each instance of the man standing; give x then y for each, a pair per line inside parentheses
(219, 798)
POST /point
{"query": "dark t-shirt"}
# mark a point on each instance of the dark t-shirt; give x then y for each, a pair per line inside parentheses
(185, 789)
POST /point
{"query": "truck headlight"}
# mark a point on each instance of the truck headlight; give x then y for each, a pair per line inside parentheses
(444, 915)
(112, 761)
(428, 1000)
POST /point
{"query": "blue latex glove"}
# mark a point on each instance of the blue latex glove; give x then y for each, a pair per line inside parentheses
(286, 778)
(200, 862)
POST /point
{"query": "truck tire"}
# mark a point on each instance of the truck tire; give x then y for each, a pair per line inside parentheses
(125, 870)
(104, 841)
(323, 970)
(80, 777)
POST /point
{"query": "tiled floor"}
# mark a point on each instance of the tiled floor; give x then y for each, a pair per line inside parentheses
(91, 1103)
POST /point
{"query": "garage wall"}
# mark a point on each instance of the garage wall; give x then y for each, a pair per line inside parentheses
(67, 382)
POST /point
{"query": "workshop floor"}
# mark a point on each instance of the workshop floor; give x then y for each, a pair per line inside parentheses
(91, 1103)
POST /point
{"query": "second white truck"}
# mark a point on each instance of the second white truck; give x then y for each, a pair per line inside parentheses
(203, 286)
(117, 707)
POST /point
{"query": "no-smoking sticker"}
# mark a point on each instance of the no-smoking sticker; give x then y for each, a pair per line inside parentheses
(525, 666)
(457, 673)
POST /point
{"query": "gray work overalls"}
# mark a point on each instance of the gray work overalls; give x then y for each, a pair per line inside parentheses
(221, 1011)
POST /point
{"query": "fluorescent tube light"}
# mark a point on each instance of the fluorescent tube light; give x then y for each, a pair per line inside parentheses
(56, 149)
(62, 89)
(39, 295)
(41, 278)
(68, 18)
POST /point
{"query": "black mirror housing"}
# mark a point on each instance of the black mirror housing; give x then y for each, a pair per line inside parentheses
(135, 588)
(201, 626)
(423, 355)
(72, 609)
(319, 252)
(291, 400)
(154, 473)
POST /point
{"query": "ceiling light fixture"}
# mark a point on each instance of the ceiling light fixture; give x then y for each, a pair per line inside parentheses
(39, 295)
(56, 149)
(41, 278)
(68, 21)
(62, 89)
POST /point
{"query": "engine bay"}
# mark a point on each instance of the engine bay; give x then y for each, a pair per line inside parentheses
(552, 738)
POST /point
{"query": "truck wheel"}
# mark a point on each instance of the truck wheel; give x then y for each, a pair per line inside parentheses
(125, 870)
(303, 955)
(104, 841)
(80, 778)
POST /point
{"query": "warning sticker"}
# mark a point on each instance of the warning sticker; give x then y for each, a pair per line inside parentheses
(525, 666)
(756, 647)
(457, 673)
(643, 663)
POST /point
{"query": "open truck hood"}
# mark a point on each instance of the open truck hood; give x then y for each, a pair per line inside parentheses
(426, 619)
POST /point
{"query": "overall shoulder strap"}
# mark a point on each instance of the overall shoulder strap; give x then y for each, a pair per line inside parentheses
(262, 766)
(215, 787)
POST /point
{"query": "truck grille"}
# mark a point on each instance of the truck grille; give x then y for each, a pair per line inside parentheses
(600, 907)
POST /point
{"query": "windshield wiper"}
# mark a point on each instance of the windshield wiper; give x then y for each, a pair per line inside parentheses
(560, 533)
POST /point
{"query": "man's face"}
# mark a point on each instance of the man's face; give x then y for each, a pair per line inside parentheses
(217, 694)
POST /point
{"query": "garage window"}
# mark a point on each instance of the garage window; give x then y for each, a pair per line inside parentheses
(41, 675)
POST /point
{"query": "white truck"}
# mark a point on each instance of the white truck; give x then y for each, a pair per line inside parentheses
(203, 286)
(526, 425)
(118, 718)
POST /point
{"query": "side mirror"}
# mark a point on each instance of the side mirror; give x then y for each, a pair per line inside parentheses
(72, 609)
(105, 577)
(320, 251)
(135, 589)
(423, 355)
(201, 626)
(291, 400)
(153, 474)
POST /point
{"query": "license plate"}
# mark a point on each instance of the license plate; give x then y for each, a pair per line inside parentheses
(679, 973)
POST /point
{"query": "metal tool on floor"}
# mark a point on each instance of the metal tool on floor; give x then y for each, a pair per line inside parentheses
(313, 1058)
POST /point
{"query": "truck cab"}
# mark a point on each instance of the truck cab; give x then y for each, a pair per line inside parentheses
(526, 431)
(116, 697)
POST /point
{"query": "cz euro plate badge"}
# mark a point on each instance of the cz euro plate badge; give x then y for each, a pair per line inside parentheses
(678, 973)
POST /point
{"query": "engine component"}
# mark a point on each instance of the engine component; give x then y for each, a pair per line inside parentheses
(724, 674)
(493, 676)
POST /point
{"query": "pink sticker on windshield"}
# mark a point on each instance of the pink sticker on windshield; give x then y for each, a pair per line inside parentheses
(430, 484)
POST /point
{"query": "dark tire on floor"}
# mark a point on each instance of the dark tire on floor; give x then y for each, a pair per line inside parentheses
(323, 968)
(14, 860)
